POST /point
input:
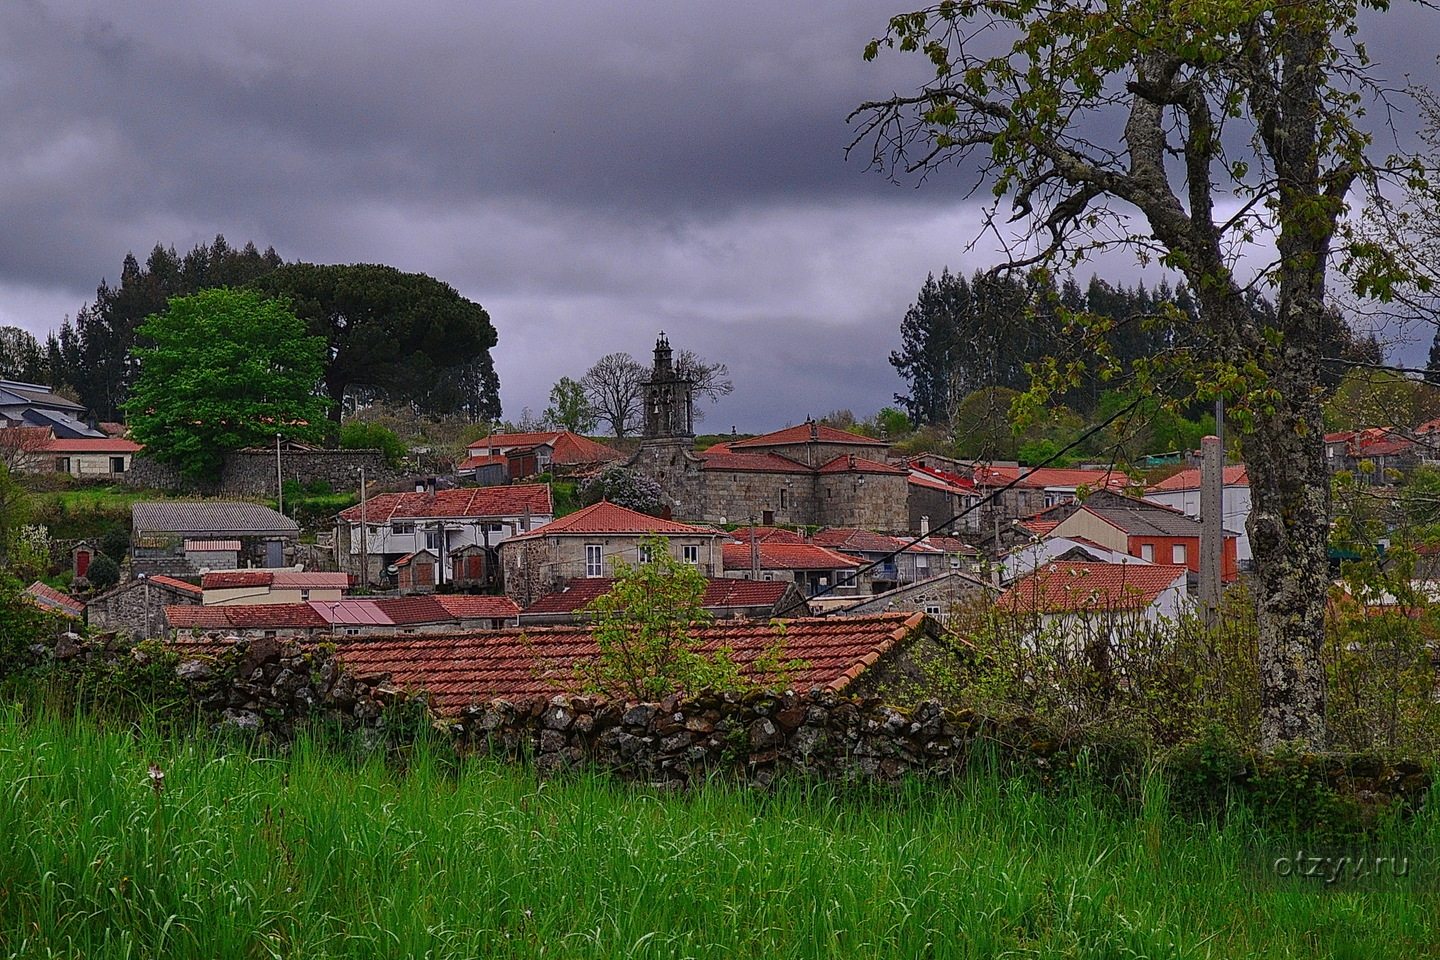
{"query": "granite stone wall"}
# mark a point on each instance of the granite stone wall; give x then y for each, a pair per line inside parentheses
(252, 472)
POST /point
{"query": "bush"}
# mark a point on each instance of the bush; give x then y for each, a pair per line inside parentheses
(622, 487)
(115, 543)
(358, 435)
(103, 573)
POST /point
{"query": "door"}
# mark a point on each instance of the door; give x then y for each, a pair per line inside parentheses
(274, 553)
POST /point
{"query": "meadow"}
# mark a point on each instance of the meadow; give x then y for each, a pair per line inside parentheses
(319, 852)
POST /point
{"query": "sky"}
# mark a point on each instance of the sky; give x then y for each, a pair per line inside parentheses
(592, 174)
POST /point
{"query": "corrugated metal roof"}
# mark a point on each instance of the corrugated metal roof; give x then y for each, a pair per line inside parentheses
(220, 519)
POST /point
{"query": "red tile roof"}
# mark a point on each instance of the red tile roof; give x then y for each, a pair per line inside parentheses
(470, 463)
(231, 579)
(719, 592)
(462, 669)
(926, 478)
(177, 584)
(468, 502)
(1050, 477)
(750, 462)
(1063, 587)
(1038, 527)
(849, 463)
(92, 445)
(1235, 476)
(787, 556)
(866, 541)
(569, 448)
(766, 535)
(51, 599)
(607, 517)
(470, 607)
(800, 433)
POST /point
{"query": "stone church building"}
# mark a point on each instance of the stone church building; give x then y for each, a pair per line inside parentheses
(806, 474)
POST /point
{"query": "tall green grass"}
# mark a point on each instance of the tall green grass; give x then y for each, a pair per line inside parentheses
(316, 854)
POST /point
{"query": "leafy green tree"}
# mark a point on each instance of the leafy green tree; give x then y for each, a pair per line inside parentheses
(1238, 120)
(16, 509)
(645, 629)
(569, 407)
(360, 435)
(103, 573)
(228, 369)
(395, 335)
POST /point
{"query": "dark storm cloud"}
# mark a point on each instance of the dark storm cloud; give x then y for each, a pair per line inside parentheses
(591, 173)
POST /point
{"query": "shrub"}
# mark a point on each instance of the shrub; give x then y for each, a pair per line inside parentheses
(358, 435)
(104, 573)
(115, 543)
(623, 487)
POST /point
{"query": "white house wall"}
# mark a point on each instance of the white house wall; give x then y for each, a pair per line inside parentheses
(457, 533)
(1234, 507)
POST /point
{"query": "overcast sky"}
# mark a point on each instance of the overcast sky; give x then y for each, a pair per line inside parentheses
(590, 173)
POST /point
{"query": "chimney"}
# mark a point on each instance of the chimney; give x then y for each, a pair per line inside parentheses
(814, 432)
(1212, 532)
(430, 488)
(924, 527)
(419, 484)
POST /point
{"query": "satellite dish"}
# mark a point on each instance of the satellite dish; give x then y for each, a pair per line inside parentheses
(392, 569)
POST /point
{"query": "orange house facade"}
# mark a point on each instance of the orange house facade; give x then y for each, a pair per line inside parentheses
(1154, 533)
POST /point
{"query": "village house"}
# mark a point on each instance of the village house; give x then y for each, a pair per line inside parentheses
(807, 474)
(346, 617)
(1182, 492)
(136, 607)
(1143, 529)
(814, 570)
(39, 450)
(1033, 555)
(889, 561)
(588, 542)
(242, 587)
(1080, 605)
(34, 405)
(949, 594)
(724, 599)
(458, 530)
(506, 457)
(165, 531)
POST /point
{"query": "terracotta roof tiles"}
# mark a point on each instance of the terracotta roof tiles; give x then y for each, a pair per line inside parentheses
(801, 433)
(464, 503)
(1064, 587)
(787, 556)
(719, 592)
(606, 517)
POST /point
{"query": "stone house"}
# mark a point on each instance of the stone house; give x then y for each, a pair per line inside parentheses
(814, 570)
(587, 542)
(889, 561)
(802, 475)
(136, 607)
(384, 530)
(161, 530)
(941, 597)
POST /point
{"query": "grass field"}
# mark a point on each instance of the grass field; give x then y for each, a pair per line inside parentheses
(313, 854)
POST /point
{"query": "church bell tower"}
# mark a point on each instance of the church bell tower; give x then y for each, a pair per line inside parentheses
(669, 406)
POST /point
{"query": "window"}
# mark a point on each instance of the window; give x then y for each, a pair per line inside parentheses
(62, 464)
(352, 631)
(782, 498)
(933, 609)
(432, 539)
(117, 464)
(690, 554)
(1178, 553)
(402, 528)
(645, 555)
(304, 596)
(594, 560)
(767, 576)
(1147, 552)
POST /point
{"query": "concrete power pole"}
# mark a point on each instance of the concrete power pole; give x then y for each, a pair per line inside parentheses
(1212, 527)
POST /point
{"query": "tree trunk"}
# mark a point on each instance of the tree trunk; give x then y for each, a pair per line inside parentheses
(1289, 531)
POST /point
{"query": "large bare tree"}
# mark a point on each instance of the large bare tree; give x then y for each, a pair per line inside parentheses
(1237, 123)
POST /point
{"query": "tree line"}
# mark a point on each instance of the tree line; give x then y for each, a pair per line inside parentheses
(389, 335)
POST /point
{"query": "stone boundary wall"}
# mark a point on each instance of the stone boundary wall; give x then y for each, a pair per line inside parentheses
(252, 472)
(759, 737)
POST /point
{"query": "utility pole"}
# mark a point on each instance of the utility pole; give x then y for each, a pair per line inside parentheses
(1212, 528)
(279, 476)
(364, 538)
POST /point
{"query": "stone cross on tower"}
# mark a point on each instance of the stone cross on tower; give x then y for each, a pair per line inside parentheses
(669, 407)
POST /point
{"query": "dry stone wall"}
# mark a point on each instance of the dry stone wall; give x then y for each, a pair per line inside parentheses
(252, 472)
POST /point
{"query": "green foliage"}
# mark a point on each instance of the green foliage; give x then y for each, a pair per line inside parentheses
(16, 509)
(644, 627)
(237, 858)
(360, 435)
(404, 337)
(103, 573)
(115, 542)
(22, 625)
(623, 486)
(228, 370)
(1381, 398)
(570, 408)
